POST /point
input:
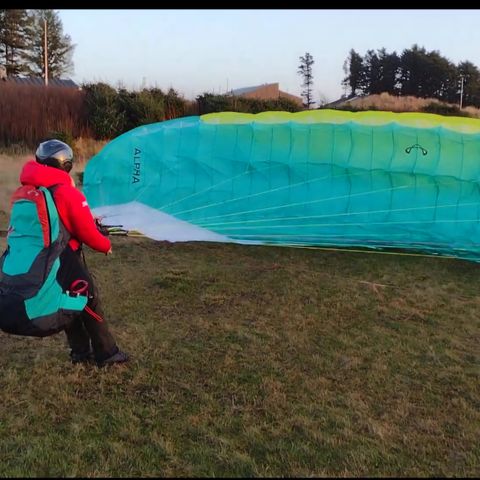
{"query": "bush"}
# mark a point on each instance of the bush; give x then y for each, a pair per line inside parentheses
(347, 107)
(30, 113)
(112, 113)
(65, 137)
(102, 109)
(140, 108)
(210, 103)
(444, 109)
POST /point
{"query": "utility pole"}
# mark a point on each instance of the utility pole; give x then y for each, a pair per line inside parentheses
(461, 91)
(45, 48)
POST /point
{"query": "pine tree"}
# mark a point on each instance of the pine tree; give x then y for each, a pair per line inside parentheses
(355, 73)
(15, 30)
(305, 70)
(59, 45)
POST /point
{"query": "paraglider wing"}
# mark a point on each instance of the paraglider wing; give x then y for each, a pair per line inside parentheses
(323, 177)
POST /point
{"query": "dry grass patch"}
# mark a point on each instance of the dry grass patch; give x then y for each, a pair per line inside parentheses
(393, 103)
(85, 149)
(10, 166)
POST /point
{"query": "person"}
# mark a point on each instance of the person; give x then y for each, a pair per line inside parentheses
(76, 307)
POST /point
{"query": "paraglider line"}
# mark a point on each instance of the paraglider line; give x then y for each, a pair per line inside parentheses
(334, 215)
(274, 190)
(307, 225)
(307, 203)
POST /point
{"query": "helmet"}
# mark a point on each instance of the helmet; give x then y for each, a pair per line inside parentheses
(55, 154)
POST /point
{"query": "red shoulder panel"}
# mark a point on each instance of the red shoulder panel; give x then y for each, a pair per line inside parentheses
(32, 194)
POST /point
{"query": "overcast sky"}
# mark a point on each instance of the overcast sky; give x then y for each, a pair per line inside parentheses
(197, 51)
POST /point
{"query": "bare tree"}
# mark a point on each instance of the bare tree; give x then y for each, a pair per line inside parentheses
(305, 70)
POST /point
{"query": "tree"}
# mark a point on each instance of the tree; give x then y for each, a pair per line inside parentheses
(381, 72)
(442, 78)
(389, 72)
(102, 107)
(471, 84)
(373, 73)
(15, 30)
(305, 70)
(355, 72)
(59, 45)
(427, 74)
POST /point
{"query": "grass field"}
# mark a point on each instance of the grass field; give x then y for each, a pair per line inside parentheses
(252, 361)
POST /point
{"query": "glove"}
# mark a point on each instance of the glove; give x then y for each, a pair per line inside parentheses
(101, 228)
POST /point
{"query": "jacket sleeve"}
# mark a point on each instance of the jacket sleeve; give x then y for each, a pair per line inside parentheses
(82, 222)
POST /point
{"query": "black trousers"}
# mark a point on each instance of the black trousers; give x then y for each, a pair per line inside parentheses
(88, 330)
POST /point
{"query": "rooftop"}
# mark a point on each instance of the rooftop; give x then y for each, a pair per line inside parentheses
(57, 82)
(241, 91)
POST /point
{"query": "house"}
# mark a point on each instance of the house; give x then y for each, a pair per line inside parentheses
(55, 82)
(267, 91)
(342, 101)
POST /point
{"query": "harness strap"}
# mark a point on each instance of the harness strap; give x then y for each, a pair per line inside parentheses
(79, 287)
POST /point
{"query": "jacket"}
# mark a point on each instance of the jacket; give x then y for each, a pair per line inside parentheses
(71, 204)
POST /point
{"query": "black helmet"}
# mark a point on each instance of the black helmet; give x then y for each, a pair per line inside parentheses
(55, 154)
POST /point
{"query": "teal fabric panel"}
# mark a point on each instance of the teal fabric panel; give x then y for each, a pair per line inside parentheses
(50, 298)
(25, 238)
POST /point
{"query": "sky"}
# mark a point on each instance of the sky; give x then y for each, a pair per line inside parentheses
(213, 50)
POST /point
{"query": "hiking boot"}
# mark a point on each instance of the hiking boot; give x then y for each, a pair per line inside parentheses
(84, 357)
(119, 357)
